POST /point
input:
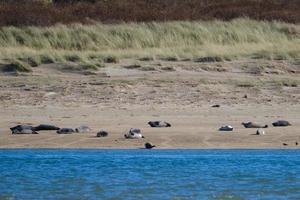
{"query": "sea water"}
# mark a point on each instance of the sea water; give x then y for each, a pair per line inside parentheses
(149, 174)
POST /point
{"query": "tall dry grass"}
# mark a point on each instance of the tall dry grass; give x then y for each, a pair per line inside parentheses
(86, 43)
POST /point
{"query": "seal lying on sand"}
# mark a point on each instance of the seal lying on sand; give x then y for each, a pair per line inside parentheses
(134, 133)
(149, 145)
(102, 134)
(65, 131)
(159, 124)
(23, 129)
(45, 127)
(260, 131)
(281, 123)
(253, 125)
(226, 128)
(82, 129)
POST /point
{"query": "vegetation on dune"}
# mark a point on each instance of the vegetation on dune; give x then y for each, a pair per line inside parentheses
(15, 66)
(49, 12)
(99, 43)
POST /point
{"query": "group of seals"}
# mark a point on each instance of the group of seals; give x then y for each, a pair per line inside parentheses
(26, 129)
(133, 133)
(275, 124)
(256, 125)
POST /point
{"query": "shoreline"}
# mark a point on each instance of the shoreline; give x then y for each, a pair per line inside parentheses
(160, 149)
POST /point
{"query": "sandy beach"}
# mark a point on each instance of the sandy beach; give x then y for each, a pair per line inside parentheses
(131, 93)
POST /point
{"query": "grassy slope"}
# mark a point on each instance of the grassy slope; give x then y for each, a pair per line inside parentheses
(92, 43)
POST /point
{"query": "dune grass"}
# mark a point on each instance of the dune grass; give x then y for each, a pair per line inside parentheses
(100, 43)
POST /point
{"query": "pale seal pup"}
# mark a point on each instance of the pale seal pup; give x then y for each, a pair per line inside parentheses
(253, 125)
(23, 129)
(82, 129)
(149, 145)
(134, 133)
(260, 132)
(226, 128)
(65, 131)
(281, 123)
(159, 124)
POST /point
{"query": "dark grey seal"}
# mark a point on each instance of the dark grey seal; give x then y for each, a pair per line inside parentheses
(216, 106)
(149, 145)
(226, 128)
(253, 125)
(65, 131)
(159, 124)
(23, 129)
(281, 123)
(45, 127)
(102, 134)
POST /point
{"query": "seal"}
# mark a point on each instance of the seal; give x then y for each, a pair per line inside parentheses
(149, 145)
(253, 125)
(281, 123)
(134, 133)
(82, 129)
(159, 124)
(23, 129)
(260, 132)
(102, 134)
(45, 127)
(226, 128)
(65, 131)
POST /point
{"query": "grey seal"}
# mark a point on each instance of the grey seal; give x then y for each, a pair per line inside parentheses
(45, 127)
(23, 129)
(226, 128)
(65, 131)
(159, 124)
(216, 106)
(281, 123)
(82, 129)
(253, 125)
(134, 133)
(102, 134)
(149, 145)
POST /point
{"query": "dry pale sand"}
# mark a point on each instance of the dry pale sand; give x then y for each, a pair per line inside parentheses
(116, 99)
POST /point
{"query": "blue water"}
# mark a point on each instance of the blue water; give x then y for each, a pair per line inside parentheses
(149, 174)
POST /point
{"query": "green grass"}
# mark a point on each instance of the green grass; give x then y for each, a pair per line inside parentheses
(99, 43)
